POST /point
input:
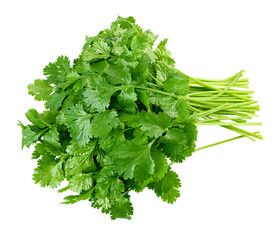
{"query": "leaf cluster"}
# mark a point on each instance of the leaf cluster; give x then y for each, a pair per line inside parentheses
(114, 121)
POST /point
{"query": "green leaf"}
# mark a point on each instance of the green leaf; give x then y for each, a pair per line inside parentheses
(56, 99)
(41, 89)
(163, 54)
(108, 188)
(104, 122)
(174, 108)
(177, 144)
(44, 148)
(127, 99)
(99, 98)
(112, 139)
(123, 22)
(160, 169)
(49, 172)
(133, 160)
(52, 137)
(83, 163)
(99, 50)
(100, 66)
(80, 182)
(118, 74)
(79, 124)
(167, 187)
(71, 78)
(177, 83)
(76, 198)
(191, 136)
(130, 120)
(140, 73)
(57, 71)
(122, 208)
(153, 124)
(75, 150)
(29, 136)
(142, 44)
(34, 117)
(108, 184)
(161, 165)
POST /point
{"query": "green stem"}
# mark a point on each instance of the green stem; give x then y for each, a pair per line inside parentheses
(229, 123)
(158, 91)
(220, 142)
(226, 88)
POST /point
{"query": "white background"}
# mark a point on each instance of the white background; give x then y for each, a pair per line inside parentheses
(228, 192)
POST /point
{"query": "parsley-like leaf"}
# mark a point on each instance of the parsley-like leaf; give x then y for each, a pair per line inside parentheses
(167, 187)
(49, 172)
(133, 160)
(104, 122)
(79, 124)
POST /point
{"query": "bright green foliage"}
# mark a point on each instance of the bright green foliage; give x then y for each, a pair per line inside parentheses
(105, 130)
(52, 137)
(98, 98)
(167, 187)
(78, 122)
(116, 119)
(104, 122)
(133, 160)
(49, 171)
(154, 125)
(40, 89)
(80, 182)
(56, 72)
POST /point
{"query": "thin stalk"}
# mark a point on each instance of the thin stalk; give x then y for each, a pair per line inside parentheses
(226, 88)
(225, 106)
(229, 123)
(243, 132)
(220, 142)
(158, 91)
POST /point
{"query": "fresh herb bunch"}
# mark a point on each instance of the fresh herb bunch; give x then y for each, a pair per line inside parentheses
(121, 115)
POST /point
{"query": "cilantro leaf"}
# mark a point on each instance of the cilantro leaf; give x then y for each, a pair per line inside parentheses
(154, 124)
(81, 163)
(34, 117)
(99, 98)
(118, 74)
(104, 122)
(178, 143)
(40, 89)
(49, 172)
(79, 124)
(56, 99)
(112, 139)
(108, 184)
(167, 187)
(99, 50)
(29, 136)
(163, 54)
(126, 99)
(57, 71)
(122, 208)
(176, 83)
(174, 108)
(160, 163)
(76, 198)
(133, 160)
(52, 137)
(80, 182)
(142, 44)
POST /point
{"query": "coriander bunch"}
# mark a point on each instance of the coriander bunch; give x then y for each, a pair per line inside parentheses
(118, 117)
